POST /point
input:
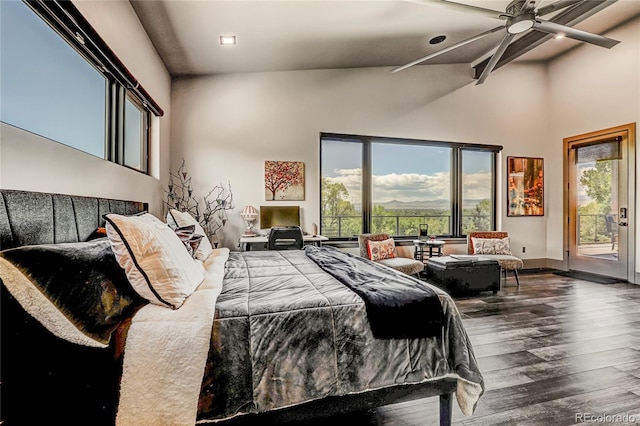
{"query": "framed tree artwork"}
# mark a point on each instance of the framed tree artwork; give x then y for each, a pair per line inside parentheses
(525, 186)
(283, 180)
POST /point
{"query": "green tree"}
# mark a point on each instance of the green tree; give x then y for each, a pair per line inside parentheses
(477, 218)
(335, 203)
(591, 224)
(383, 221)
(597, 183)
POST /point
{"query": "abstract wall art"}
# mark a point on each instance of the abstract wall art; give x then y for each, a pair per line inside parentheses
(525, 186)
(283, 180)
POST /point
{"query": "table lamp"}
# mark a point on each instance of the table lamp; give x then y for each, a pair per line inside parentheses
(249, 214)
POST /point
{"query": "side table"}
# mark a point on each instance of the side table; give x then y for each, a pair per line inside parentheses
(420, 246)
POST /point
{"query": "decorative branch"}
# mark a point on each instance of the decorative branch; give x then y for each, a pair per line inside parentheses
(180, 193)
(216, 203)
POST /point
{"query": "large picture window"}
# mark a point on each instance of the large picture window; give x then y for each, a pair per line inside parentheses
(395, 186)
(61, 81)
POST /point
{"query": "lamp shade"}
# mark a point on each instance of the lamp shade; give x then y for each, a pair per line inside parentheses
(249, 213)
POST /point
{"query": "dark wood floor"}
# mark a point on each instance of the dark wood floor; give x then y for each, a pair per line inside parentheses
(548, 350)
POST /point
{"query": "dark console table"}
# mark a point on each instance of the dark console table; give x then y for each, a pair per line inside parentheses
(464, 274)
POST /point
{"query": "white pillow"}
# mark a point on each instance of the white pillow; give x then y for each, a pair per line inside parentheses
(491, 245)
(178, 219)
(153, 258)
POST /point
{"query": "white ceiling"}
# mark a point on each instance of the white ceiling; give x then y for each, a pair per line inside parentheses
(301, 35)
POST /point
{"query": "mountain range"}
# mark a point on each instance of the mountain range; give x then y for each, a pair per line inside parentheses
(420, 205)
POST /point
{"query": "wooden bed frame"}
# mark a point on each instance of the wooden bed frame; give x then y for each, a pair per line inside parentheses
(44, 377)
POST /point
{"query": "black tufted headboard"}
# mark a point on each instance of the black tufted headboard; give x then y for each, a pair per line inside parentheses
(28, 218)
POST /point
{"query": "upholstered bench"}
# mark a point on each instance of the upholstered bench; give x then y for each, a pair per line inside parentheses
(460, 275)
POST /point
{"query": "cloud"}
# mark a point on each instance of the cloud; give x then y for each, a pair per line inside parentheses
(476, 186)
(412, 186)
(351, 179)
(348, 172)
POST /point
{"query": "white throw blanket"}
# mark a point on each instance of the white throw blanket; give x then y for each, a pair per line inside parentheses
(165, 355)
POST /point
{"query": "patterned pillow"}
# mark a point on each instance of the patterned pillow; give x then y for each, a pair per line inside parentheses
(177, 218)
(385, 249)
(189, 238)
(491, 245)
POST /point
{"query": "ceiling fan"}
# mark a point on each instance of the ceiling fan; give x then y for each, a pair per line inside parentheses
(520, 16)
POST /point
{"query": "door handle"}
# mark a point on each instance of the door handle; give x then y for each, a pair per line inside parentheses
(622, 224)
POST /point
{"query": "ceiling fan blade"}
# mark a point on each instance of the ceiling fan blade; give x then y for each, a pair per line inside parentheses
(496, 57)
(465, 8)
(557, 29)
(447, 49)
(561, 4)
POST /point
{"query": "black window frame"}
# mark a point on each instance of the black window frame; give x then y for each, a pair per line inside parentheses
(67, 21)
(145, 136)
(456, 177)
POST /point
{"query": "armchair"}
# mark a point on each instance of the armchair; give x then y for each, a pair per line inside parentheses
(495, 245)
(390, 256)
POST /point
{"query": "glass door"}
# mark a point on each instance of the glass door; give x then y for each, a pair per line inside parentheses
(598, 211)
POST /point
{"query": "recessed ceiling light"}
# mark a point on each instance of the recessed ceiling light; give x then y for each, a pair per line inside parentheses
(559, 36)
(437, 39)
(227, 40)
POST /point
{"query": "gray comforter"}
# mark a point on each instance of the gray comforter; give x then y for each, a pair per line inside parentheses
(286, 332)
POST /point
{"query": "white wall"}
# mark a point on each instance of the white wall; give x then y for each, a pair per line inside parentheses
(226, 126)
(592, 89)
(33, 163)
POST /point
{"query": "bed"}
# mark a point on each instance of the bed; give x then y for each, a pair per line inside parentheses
(274, 336)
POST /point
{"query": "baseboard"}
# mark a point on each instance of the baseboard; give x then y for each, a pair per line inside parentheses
(544, 265)
(541, 266)
(556, 264)
(534, 263)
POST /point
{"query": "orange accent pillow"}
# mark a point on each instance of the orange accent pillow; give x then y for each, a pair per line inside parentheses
(379, 250)
(98, 233)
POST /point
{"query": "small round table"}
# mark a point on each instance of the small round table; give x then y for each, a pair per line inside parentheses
(421, 245)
